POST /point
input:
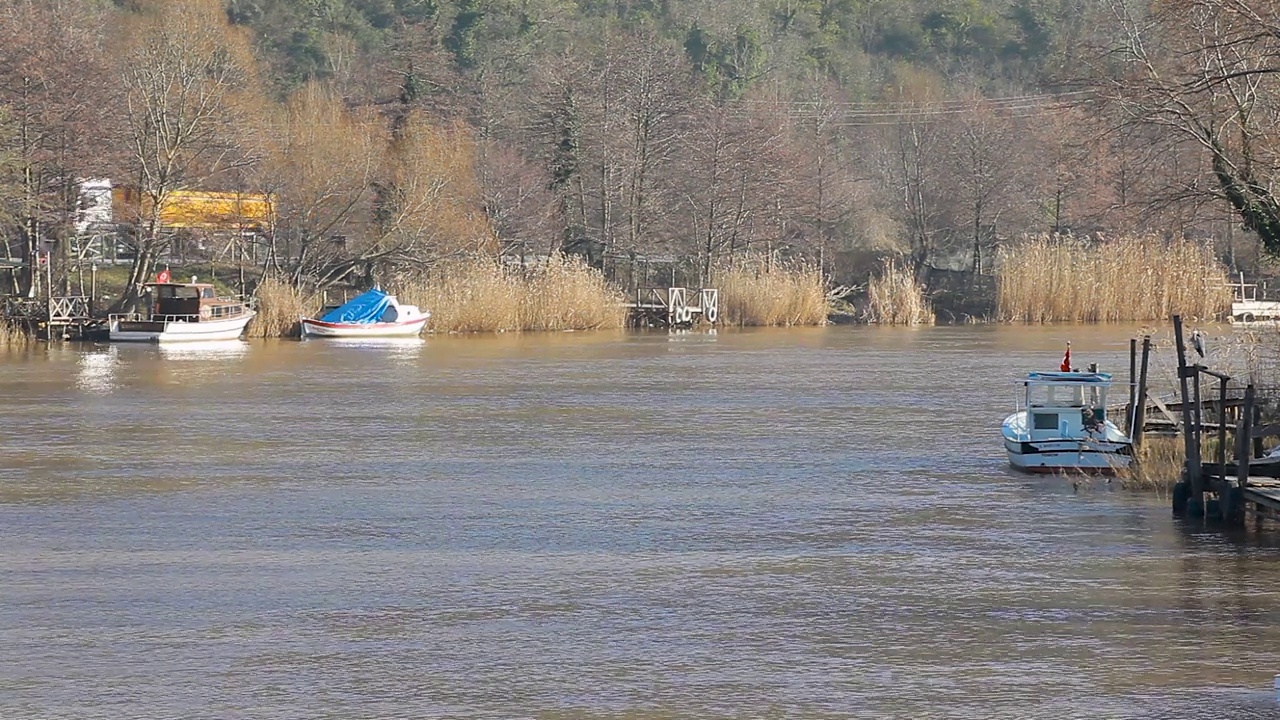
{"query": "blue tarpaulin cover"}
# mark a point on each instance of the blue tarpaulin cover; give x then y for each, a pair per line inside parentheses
(364, 308)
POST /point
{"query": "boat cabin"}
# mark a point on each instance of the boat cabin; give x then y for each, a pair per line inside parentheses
(1066, 404)
(191, 301)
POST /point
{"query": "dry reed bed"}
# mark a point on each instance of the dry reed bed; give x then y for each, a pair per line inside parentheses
(759, 292)
(13, 337)
(280, 305)
(895, 298)
(479, 294)
(1156, 466)
(1128, 278)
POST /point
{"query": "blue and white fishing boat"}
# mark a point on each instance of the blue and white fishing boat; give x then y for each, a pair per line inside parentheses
(373, 314)
(1064, 427)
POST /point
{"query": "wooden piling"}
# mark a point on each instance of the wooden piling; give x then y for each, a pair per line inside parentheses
(1222, 428)
(1133, 379)
(1140, 406)
(1244, 429)
(1194, 479)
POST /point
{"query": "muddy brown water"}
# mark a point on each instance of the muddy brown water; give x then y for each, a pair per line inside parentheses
(811, 523)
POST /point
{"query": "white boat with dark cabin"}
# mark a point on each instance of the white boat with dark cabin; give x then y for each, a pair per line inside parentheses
(372, 314)
(182, 312)
(1064, 427)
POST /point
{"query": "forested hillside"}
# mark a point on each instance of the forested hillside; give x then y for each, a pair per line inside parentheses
(840, 131)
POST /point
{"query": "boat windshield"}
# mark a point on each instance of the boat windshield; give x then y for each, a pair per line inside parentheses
(1065, 395)
(1055, 395)
(182, 292)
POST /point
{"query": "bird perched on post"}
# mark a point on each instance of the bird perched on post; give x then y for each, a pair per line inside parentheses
(1197, 342)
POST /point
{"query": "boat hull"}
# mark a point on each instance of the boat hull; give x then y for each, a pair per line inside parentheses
(321, 329)
(1255, 313)
(177, 331)
(1068, 456)
(1102, 453)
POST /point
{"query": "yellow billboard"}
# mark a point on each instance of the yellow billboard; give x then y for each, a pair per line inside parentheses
(197, 209)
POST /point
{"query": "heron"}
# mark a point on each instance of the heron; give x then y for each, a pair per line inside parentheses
(1197, 342)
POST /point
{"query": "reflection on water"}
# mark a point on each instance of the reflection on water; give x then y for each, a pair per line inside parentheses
(97, 370)
(816, 523)
(204, 350)
(402, 349)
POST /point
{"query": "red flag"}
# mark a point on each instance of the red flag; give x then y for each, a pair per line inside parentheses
(1066, 360)
(163, 276)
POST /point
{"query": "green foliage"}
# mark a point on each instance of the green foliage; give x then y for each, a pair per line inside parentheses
(461, 40)
(729, 66)
(566, 130)
(727, 44)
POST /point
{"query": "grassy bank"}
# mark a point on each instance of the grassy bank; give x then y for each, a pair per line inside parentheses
(758, 292)
(481, 295)
(895, 298)
(1130, 278)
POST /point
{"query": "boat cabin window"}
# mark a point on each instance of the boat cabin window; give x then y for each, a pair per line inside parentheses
(181, 292)
(207, 293)
(1044, 421)
(1055, 395)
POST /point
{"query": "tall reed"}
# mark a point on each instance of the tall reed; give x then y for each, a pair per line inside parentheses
(13, 337)
(280, 305)
(1156, 466)
(479, 294)
(1127, 278)
(759, 291)
(895, 298)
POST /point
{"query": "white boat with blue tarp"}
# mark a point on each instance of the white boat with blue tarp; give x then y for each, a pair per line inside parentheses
(1064, 426)
(370, 314)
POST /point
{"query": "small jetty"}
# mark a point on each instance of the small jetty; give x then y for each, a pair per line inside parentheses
(1213, 413)
(43, 314)
(54, 318)
(673, 307)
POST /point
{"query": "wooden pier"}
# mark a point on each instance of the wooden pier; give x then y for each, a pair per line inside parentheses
(53, 318)
(1222, 490)
(673, 307)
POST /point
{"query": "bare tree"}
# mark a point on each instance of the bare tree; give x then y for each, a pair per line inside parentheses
(907, 151)
(1203, 73)
(988, 175)
(735, 182)
(53, 82)
(320, 168)
(188, 78)
(428, 203)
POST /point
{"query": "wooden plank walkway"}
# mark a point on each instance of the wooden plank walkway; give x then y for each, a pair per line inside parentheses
(1264, 496)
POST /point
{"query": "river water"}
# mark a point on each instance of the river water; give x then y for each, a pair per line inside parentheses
(809, 523)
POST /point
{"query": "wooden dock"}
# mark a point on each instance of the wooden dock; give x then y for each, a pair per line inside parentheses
(1222, 490)
(673, 307)
(53, 318)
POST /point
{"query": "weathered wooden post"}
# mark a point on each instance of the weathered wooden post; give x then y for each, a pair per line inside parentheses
(1244, 429)
(1197, 406)
(1255, 420)
(1140, 408)
(1222, 428)
(1133, 379)
(1195, 485)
